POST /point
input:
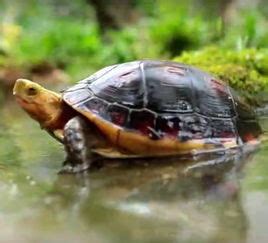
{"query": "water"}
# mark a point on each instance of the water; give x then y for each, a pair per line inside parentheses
(156, 202)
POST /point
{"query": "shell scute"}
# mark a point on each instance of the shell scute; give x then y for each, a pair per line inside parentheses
(223, 128)
(76, 96)
(121, 85)
(118, 115)
(96, 106)
(142, 121)
(168, 91)
(213, 98)
(168, 126)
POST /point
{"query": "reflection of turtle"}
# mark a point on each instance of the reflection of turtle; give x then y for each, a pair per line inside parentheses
(140, 109)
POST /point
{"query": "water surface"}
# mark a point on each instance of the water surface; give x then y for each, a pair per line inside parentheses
(143, 202)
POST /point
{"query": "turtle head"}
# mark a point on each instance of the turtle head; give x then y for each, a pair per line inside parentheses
(43, 105)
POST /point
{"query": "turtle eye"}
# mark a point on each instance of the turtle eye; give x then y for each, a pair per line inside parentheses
(31, 91)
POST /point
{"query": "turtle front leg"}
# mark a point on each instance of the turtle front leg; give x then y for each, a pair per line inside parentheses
(78, 140)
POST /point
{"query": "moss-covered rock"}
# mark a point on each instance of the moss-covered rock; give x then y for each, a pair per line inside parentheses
(245, 70)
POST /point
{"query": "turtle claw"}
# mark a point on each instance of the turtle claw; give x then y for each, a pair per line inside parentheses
(73, 169)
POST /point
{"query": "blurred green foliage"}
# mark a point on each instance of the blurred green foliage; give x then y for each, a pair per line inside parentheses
(250, 30)
(66, 34)
(57, 45)
(245, 70)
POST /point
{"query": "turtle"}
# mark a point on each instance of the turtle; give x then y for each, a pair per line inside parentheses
(140, 109)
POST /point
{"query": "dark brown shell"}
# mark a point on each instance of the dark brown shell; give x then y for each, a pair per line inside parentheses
(164, 99)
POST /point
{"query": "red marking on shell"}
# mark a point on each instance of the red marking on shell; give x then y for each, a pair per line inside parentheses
(142, 121)
(218, 85)
(227, 134)
(144, 127)
(169, 127)
(171, 131)
(118, 118)
(248, 137)
(176, 70)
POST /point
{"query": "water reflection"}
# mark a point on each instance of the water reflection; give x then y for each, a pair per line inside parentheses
(162, 201)
(165, 202)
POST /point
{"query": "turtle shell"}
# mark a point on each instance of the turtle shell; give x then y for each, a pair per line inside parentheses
(159, 99)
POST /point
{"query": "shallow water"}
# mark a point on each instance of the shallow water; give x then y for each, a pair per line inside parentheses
(158, 202)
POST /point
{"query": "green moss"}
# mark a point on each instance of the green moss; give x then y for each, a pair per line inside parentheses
(245, 70)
